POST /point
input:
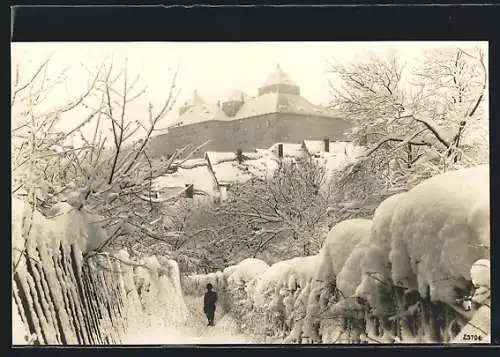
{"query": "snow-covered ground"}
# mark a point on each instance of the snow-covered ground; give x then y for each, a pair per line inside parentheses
(194, 331)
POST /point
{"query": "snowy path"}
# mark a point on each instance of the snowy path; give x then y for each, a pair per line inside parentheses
(193, 331)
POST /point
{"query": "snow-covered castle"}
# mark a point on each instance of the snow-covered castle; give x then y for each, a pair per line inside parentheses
(278, 113)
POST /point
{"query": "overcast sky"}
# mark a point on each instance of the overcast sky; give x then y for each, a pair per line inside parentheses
(214, 69)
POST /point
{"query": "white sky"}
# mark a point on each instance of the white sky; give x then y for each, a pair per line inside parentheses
(215, 69)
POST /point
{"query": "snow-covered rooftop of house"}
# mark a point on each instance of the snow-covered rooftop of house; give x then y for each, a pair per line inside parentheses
(337, 158)
(293, 150)
(227, 170)
(196, 100)
(191, 163)
(314, 147)
(200, 177)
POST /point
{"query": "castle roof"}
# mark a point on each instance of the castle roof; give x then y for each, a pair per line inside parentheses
(276, 102)
(201, 113)
(279, 77)
(279, 94)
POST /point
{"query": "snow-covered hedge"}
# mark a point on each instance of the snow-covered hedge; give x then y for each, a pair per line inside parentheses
(404, 278)
(337, 249)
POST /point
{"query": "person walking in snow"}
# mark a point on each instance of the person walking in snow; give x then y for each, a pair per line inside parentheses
(209, 304)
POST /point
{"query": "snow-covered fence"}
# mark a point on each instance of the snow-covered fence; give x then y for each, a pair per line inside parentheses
(60, 297)
(64, 301)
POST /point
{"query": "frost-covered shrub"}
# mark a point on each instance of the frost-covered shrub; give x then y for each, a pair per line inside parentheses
(441, 227)
(338, 245)
(341, 241)
(275, 301)
(376, 283)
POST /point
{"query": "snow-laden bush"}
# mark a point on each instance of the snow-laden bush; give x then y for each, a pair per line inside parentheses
(274, 300)
(480, 323)
(376, 283)
(441, 227)
(404, 280)
(69, 226)
(338, 246)
(244, 271)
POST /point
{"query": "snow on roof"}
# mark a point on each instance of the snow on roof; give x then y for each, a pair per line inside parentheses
(318, 146)
(216, 157)
(227, 170)
(294, 103)
(201, 113)
(290, 150)
(340, 155)
(230, 172)
(263, 104)
(191, 163)
(280, 103)
(278, 77)
(200, 177)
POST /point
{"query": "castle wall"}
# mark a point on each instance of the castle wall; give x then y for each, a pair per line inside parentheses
(249, 133)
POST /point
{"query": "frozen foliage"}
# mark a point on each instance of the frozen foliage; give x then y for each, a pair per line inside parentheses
(67, 225)
(375, 265)
(245, 271)
(478, 328)
(480, 275)
(349, 277)
(441, 227)
(338, 245)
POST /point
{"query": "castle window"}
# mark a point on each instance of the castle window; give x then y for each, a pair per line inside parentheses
(268, 124)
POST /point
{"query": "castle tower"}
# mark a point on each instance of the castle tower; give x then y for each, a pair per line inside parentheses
(279, 82)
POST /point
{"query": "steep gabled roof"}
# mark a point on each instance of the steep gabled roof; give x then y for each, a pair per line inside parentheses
(278, 77)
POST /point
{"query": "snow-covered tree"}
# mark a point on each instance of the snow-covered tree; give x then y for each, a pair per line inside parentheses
(274, 219)
(108, 174)
(417, 123)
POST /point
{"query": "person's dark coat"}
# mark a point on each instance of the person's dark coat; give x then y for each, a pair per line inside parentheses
(209, 301)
